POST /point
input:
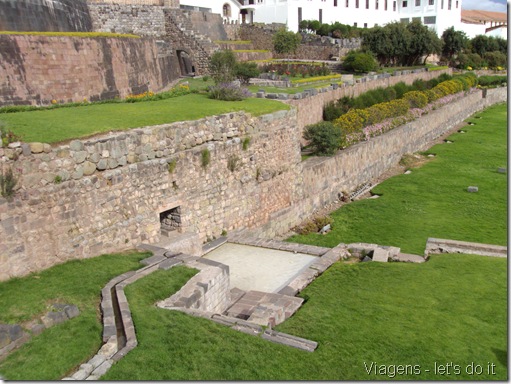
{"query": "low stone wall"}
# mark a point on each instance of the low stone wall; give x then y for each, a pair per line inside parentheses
(208, 291)
(438, 246)
(38, 69)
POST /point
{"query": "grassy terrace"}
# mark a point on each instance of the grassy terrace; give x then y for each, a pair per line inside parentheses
(432, 201)
(50, 355)
(452, 309)
(56, 125)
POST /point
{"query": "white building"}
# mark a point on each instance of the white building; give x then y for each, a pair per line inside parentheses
(437, 14)
(474, 22)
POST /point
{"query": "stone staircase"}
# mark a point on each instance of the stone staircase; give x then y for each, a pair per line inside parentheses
(263, 308)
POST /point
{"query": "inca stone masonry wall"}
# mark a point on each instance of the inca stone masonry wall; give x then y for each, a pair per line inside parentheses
(44, 15)
(312, 48)
(323, 178)
(143, 20)
(114, 188)
(111, 190)
(39, 69)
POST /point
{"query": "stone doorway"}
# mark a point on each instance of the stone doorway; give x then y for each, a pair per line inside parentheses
(170, 221)
(185, 64)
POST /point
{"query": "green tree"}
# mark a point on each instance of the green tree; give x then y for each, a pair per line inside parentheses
(324, 138)
(423, 42)
(245, 71)
(357, 61)
(223, 66)
(454, 42)
(286, 41)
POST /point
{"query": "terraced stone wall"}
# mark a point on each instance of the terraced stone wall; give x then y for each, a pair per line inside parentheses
(110, 191)
(38, 69)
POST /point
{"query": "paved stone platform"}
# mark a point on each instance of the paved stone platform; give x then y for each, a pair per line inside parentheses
(260, 269)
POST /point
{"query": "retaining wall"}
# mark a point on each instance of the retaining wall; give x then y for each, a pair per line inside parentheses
(324, 178)
(143, 20)
(38, 69)
(114, 188)
(45, 15)
(111, 190)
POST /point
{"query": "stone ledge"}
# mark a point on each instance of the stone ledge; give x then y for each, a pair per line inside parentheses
(437, 246)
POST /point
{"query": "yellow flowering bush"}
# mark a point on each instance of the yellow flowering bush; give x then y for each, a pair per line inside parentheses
(416, 99)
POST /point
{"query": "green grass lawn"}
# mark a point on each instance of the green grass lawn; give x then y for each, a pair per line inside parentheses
(451, 309)
(56, 351)
(433, 200)
(57, 125)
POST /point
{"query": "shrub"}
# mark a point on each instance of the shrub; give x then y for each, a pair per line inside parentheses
(7, 136)
(228, 92)
(495, 59)
(492, 81)
(245, 71)
(7, 183)
(416, 99)
(313, 225)
(286, 41)
(222, 66)
(359, 62)
(324, 137)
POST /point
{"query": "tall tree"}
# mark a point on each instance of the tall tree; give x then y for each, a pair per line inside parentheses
(454, 42)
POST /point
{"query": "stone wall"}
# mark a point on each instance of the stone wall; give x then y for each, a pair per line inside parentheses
(312, 48)
(112, 190)
(324, 178)
(310, 110)
(38, 69)
(45, 15)
(143, 20)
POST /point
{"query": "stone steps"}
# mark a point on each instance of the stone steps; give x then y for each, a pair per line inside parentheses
(263, 308)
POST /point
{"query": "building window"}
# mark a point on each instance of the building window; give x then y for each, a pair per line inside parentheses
(405, 20)
(367, 4)
(449, 5)
(405, 4)
(347, 3)
(356, 3)
(321, 16)
(299, 14)
(386, 4)
(376, 4)
(442, 4)
(416, 19)
(335, 3)
(355, 25)
(365, 25)
(417, 3)
(394, 6)
(457, 3)
(429, 19)
(431, 2)
(227, 10)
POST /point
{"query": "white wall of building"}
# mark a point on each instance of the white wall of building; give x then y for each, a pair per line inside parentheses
(437, 14)
(232, 7)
